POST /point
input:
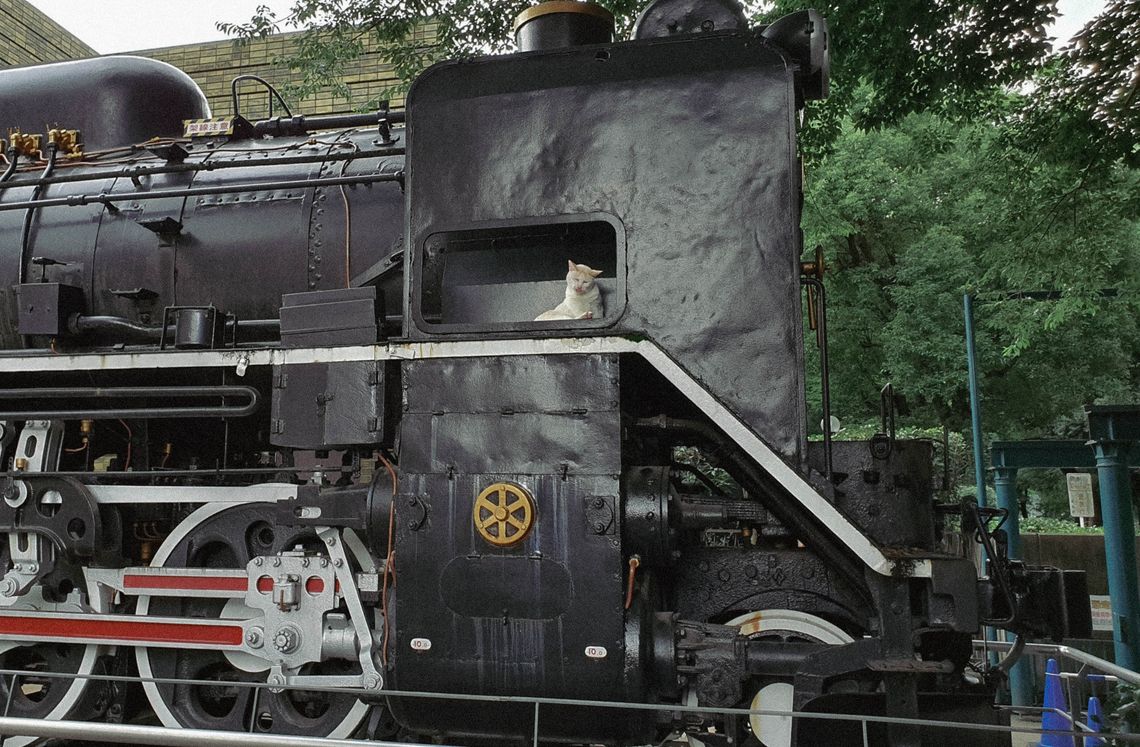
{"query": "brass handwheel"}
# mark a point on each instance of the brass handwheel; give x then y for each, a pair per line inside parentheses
(503, 514)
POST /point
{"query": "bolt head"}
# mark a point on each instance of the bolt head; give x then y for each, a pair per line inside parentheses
(286, 640)
(338, 562)
(324, 562)
(259, 561)
(276, 562)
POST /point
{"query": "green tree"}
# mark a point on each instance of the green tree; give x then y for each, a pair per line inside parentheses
(1086, 106)
(913, 216)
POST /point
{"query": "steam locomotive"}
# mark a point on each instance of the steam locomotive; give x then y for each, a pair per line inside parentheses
(274, 410)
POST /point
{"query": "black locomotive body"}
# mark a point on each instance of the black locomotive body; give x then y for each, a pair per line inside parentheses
(275, 411)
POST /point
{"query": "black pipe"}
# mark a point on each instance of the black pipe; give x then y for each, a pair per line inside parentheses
(135, 172)
(133, 331)
(78, 324)
(26, 234)
(824, 371)
(143, 413)
(302, 125)
(13, 158)
(106, 199)
(760, 483)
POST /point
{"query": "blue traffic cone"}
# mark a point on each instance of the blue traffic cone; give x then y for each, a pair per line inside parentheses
(1055, 701)
(1095, 724)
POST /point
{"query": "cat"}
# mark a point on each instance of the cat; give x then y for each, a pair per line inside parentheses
(583, 297)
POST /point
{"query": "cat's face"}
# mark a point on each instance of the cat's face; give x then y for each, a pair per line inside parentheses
(580, 278)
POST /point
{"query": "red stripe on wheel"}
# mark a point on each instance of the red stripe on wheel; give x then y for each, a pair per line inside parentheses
(186, 583)
(130, 631)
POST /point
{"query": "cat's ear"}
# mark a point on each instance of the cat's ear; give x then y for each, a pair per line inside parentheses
(573, 267)
(594, 273)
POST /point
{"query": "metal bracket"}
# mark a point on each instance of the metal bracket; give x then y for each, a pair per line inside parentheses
(37, 450)
(370, 677)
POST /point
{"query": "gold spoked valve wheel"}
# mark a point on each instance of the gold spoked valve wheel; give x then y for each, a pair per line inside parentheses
(504, 514)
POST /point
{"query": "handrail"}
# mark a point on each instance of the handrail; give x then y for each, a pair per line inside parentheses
(195, 738)
(1127, 675)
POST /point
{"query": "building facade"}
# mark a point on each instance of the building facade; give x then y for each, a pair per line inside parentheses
(214, 64)
(32, 38)
(29, 37)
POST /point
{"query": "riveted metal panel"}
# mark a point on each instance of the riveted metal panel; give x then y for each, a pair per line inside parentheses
(712, 274)
(324, 405)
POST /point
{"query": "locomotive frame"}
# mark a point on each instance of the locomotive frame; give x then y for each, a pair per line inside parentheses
(379, 407)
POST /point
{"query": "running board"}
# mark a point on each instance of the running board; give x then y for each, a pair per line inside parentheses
(739, 432)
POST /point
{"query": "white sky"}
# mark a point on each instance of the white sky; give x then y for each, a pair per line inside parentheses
(127, 25)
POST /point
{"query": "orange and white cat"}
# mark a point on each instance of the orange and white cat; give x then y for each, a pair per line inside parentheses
(583, 298)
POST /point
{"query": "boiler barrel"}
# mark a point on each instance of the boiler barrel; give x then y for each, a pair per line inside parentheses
(238, 251)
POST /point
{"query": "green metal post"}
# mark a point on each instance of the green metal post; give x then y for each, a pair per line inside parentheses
(989, 633)
(975, 400)
(1119, 549)
(1005, 485)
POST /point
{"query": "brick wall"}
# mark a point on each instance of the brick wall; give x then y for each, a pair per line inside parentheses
(213, 65)
(28, 37)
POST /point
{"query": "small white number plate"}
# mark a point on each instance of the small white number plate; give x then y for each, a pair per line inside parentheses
(596, 652)
(421, 644)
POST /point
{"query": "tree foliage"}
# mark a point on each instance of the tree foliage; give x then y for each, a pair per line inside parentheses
(1087, 97)
(913, 216)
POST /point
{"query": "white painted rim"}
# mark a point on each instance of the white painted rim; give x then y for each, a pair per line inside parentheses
(790, 621)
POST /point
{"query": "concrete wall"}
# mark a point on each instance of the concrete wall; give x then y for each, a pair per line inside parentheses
(1075, 551)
